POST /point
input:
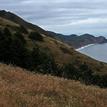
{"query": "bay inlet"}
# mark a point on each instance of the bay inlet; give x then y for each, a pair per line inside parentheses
(96, 51)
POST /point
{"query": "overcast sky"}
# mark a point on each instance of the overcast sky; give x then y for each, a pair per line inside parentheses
(64, 16)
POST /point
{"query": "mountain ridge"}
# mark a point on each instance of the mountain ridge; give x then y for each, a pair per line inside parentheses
(72, 40)
(78, 41)
(18, 20)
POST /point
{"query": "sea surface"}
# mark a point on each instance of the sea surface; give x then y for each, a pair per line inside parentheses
(96, 51)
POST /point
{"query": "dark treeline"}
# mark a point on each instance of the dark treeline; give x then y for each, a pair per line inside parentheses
(13, 50)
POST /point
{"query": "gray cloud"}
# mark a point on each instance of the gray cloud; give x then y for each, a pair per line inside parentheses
(64, 16)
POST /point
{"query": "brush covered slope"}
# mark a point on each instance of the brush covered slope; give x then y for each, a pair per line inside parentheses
(35, 50)
(20, 88)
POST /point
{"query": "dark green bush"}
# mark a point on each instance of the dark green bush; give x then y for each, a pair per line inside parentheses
(35, 36)
(20, 37)
(22, 29)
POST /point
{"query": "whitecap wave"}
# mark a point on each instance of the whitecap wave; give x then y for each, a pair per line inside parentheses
(84, 47)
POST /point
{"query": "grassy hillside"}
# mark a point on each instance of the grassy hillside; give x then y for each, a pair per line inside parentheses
(20, 88)
(59, 49)
(35, 50)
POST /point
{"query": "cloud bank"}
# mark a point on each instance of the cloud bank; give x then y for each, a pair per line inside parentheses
(64, 16)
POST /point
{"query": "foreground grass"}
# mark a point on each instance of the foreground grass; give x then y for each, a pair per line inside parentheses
(20, 88)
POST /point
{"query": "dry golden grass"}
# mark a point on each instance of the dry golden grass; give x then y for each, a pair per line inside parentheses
(20, 88)
(54, 46)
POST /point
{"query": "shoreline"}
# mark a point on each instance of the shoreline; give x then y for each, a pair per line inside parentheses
(78, 49)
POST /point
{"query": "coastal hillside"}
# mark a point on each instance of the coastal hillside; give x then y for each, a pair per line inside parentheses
(20, 88)
(16, 19)
(35, 51)
(79, 41)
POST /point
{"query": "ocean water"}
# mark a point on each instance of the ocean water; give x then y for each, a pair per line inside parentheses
(97, 51)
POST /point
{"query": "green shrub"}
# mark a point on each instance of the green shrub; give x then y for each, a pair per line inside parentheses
(35, 36)
(22, 29)
(20, 36)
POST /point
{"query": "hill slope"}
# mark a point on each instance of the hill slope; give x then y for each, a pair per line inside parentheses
(20, 88)
(34, 50)
(18, 20)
